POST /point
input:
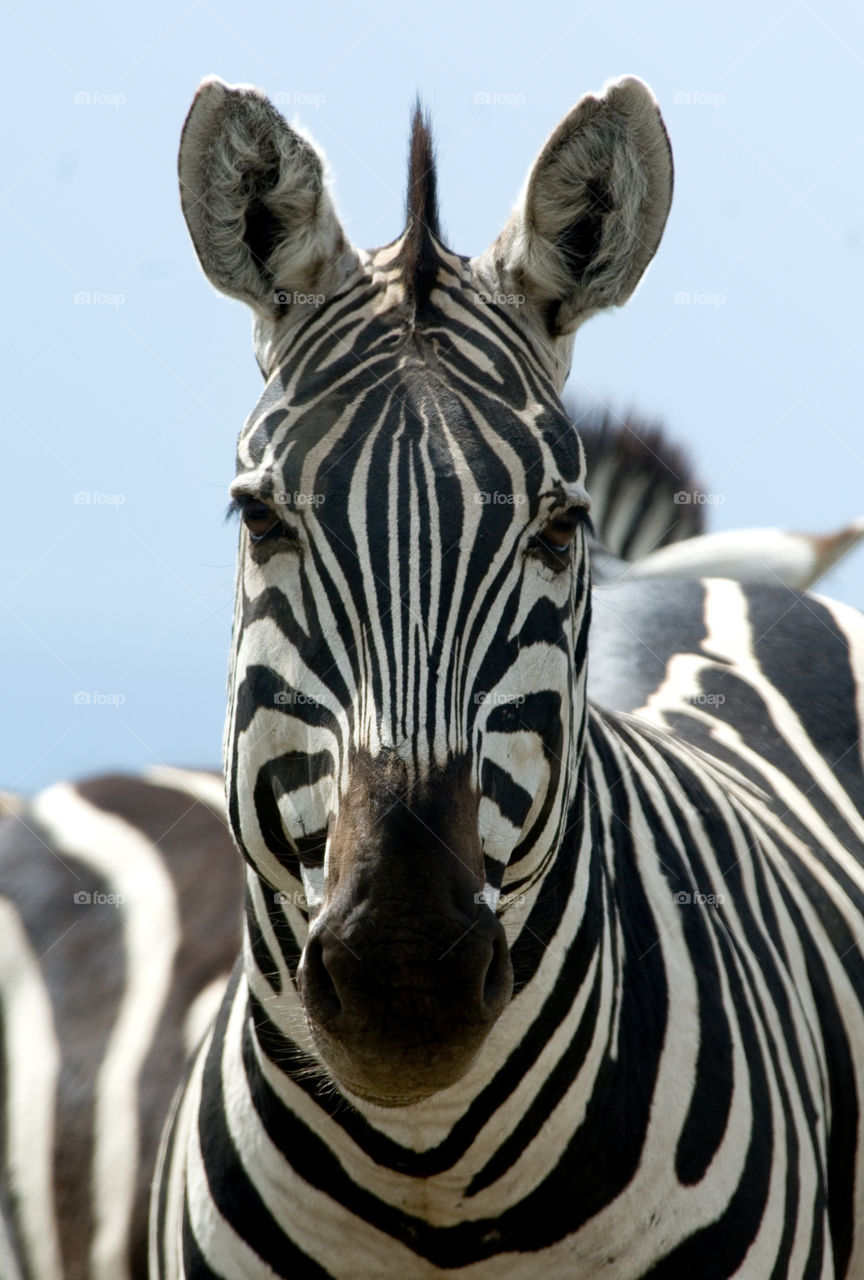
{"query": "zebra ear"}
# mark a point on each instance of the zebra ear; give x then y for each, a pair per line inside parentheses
(592, 211)
(254, 198)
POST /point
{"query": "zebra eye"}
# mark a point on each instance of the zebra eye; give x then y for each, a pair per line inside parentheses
(561, 529)
(259, 519)
(551, 545)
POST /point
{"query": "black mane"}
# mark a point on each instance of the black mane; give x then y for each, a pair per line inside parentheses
(421, 212)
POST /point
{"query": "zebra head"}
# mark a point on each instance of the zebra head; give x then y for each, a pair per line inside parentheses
(407, 685)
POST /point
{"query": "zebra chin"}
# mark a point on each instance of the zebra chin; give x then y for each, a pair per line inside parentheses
(381, 1084)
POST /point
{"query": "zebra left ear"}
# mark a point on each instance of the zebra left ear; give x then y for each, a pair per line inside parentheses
(255, 200)
(593, 209)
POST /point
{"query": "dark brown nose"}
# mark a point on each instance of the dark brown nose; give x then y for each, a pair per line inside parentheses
(400, 1006)
(406, 969)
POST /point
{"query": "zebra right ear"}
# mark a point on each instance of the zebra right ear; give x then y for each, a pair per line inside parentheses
(254, 198)
(593, 209)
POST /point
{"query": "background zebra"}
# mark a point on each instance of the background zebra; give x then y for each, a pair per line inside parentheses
(648, 517)
(118, 926)
(590, 980)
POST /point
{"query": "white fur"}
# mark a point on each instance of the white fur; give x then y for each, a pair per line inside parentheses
(202, 1013)
(616, 141)
(134, 872)
(209, 788)
(233, 142)
(751, 555)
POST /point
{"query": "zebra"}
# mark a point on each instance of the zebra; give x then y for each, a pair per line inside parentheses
(649, 522)
(118, 929)
(530, 981)
(402, 1139)
(74, 847)
(634, 473)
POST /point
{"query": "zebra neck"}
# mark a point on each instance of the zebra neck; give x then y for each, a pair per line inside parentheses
(271, 1081)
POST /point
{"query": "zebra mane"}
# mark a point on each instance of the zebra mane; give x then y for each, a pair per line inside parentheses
(636, 478)
(421, 212)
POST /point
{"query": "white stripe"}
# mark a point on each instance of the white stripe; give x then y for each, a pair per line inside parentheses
(133, 869)
(313, 885)
(171, 1170)
(222, 1248)
(491, 895)
(202, 1013)
(209, 788)
(33, 1057)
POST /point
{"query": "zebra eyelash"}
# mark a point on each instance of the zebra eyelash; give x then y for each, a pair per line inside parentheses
(582, 519)
(554, 557)
(242, 506)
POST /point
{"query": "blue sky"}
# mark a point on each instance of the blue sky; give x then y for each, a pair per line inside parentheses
(131, 402)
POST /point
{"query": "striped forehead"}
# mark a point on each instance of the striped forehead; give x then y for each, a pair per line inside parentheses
(465, 388)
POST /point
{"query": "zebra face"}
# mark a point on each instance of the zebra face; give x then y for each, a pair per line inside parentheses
(413, 592)
(407, 687)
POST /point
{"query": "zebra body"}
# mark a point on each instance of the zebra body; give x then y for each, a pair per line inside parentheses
(635, 476)
(775, 556)
(647, 511)
(119, 927)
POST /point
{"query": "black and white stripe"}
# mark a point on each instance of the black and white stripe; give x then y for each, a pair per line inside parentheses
(636, 477)
(119, 926)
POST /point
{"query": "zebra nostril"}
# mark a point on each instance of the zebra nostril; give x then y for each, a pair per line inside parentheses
(498, 982)
(318, 988)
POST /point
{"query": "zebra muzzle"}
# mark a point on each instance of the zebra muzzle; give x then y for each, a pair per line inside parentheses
(406, 968)
(399, 1006)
